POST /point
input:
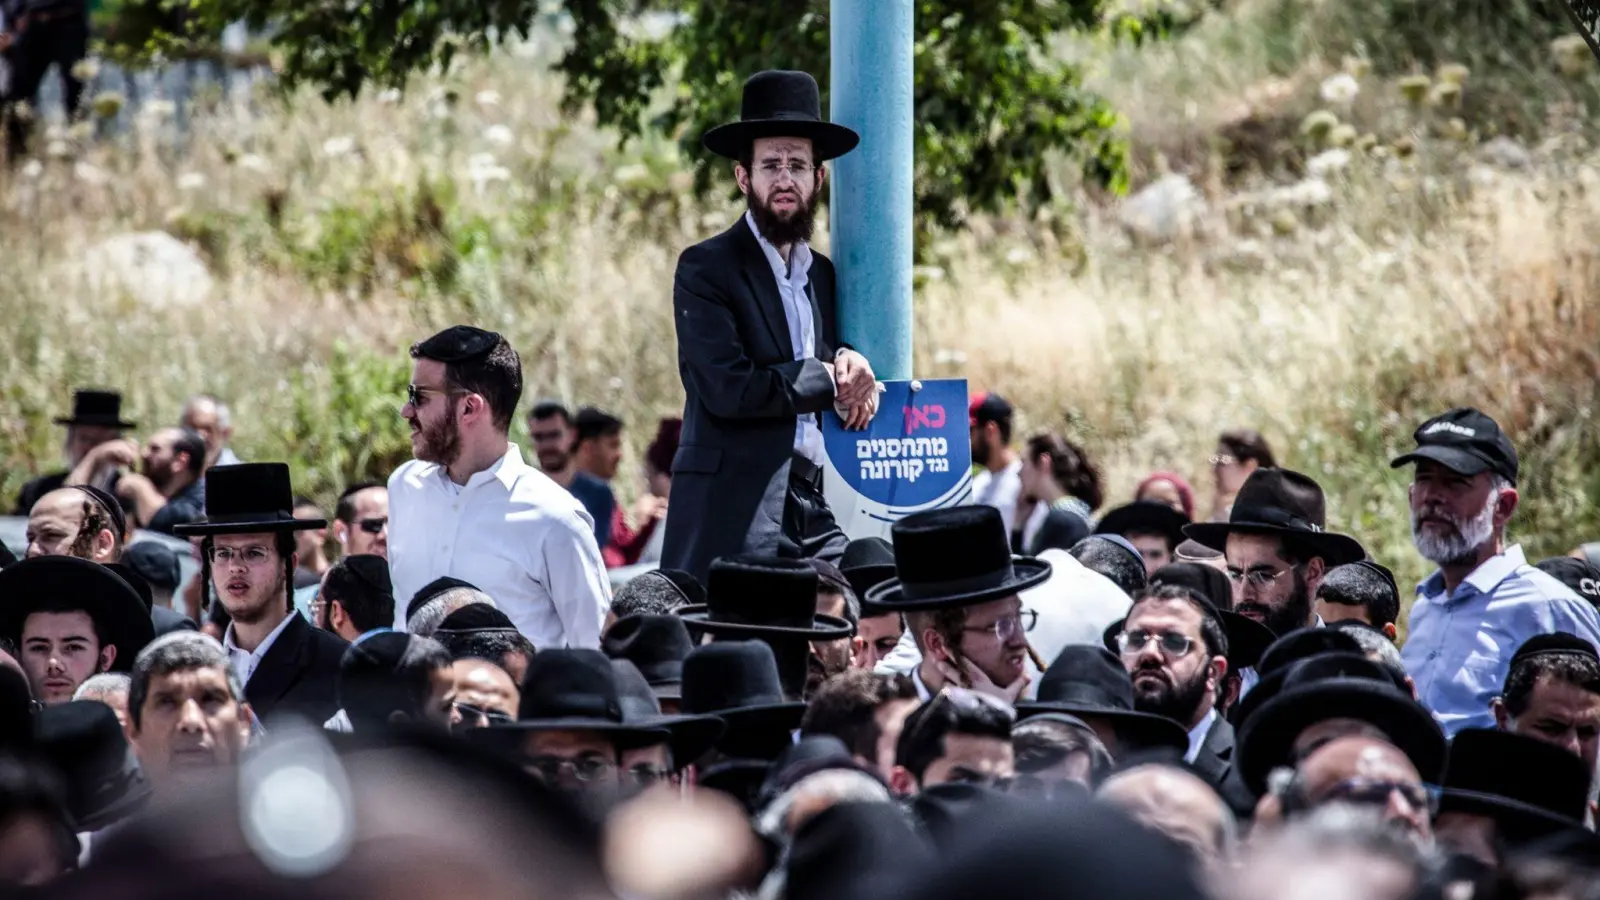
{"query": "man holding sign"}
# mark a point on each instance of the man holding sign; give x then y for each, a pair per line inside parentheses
(758, 347)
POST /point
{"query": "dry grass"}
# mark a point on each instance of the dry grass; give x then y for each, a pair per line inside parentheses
(1424, 283)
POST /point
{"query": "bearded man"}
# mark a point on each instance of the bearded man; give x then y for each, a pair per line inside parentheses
(1485, 600)
(468, 507)
(758, 347)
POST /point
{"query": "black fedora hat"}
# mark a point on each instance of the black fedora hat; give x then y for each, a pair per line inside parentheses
(1089, 682)
(1280, 655)
(1286, 503)
(1144, 517)
(657, 647)
(959, 556)
(248, 498)
(1530, 788)
(866, 563)
(1337, 686)
(571, 690)
(83, 740)
(688, 736)
(737, 681)
(103, 408)
(66, 583)
(766, 597)
(780, 103)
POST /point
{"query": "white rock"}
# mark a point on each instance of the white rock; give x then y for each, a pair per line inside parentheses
(1506, 153)
(1162, 210)
(152, 267)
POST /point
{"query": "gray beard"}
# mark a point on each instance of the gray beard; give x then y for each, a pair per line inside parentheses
(1461, 545)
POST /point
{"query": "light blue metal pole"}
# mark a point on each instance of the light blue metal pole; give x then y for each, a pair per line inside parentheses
(871, 203)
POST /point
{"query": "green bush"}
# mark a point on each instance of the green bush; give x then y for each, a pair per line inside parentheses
(344, 424)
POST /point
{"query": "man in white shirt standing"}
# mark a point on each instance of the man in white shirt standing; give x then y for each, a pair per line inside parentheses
(999, 481)
(468, 506)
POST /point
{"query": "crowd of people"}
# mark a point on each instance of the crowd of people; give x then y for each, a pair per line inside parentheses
(503, 684)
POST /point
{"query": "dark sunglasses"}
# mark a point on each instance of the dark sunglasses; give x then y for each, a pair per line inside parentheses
(417, 394)
(478, 717)
(1366, 792)
(373, 526)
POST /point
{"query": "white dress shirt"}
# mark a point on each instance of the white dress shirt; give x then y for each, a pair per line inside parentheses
(792, 277)
(1197, 735)
(511, 531)
(1000, 490)
(246, 661)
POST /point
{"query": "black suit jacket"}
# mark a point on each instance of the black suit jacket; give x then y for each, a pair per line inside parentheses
(1214, 763)
(38, 487)
(743, 391)
(299, 675)
(168, 620)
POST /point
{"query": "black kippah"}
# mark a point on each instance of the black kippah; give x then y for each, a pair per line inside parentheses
(456, 344)
(1557, 642)
(433, 589)
(1381, 570)
(371, 570)
(477, 617)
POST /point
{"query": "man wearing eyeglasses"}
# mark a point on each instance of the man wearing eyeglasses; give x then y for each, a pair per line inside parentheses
(758, 347)
(485, 694)
(361, 520)
(1176, 652)
(470, 508)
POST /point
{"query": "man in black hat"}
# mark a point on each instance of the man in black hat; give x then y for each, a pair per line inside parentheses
(1502, 792)
(737, 682)
(1485, 599)
(1363, 590)
(96, 419)
(867, 563)
(468, 506)
(248, 558)
(70, 619)
(686, 738)
(1360, 769)
(835, 598)
(758, 346)
(656, 646)
(1154, 529)
(1278, 547)
(356, 597)
(1552, 694)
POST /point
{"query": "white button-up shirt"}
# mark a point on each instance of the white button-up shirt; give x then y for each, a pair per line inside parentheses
(244, 661)
(792, 277)
(511, 531)
(1000, 490)
(1197, 735)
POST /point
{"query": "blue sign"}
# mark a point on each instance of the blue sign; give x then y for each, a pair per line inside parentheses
(915, 455)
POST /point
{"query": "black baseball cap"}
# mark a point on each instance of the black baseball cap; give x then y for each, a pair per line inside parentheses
(987, 407)
(1576, 574)
(1466, 441)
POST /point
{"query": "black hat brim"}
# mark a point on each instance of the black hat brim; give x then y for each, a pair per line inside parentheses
(767, 717)
(689, 736)
(1456, 459)
(204, 528)
(1027, 572)
(1270, 732)
(1144, 518)
(130, 799)
(828, 141)
(114, 606)
(1519, 822)
(624, 735)
(667, 690)
(863, 579)
(1334, 549)
(823, 628)
(1147, 730)
(1247, 638)
(100, 421)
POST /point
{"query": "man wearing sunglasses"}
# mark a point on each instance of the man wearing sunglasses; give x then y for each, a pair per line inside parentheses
(361, 520)
(1360, 770)
(470, 508)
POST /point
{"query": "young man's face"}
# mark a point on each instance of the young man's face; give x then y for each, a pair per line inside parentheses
(877, 637)
(1175, 685)
(161, 462)
(440, 708)
(368, 530)
(552, 442)
(189, 722)
(1560, 713)
(1268, 587)
(573, 761)
(59, 652)
(828, 658)
(435, 433)
(970, 759)
(993, 640)
(1154, 548)
(248, 574)
(601, 456)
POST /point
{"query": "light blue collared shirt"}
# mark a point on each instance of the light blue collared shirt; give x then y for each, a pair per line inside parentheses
(1460, 646)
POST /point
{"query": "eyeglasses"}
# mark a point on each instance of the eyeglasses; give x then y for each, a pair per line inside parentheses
(796, 170)
(1257, 578)
(645, 775)
(1172, 644)
(584, 769)
(478, 717)
(1366, 792)
(1223, 459)
(417, 394)
(1009, 627)
(245, 556)
(374, 526)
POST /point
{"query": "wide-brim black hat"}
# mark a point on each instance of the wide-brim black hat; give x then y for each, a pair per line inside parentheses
(248, 498)
(1281, 502)
(572, 690)
(656, 645)
(65, 583)
(1268, 736)
(1531, 789)
(755, 596)
(779, 103)
(866, 563)
(83, 740)
(1518, 822)
(954, 557)
(1091, 682)
(737, 682)
(689, 736)
(1147, 730)
(1144, 517)
(102, 408)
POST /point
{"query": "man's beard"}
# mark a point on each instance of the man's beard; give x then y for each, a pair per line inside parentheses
(1461, 545)
(441, 442)
(781, 231)
(1177, 702)
(1291, 615)
(980, 453)
(553, 460)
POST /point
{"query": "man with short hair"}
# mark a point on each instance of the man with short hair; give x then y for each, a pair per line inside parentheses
(597, 449)
(209, 417)
(864, 710)
(71, 619)
(1052, 749)
(758, 350)
(393, 677)
(834, 598)
(1278, 548)
(356, 597)
(361, 520)
(553, 439)
(1364, 591)
(186, 708)
(999, 479)
(1485, 599)
(1363, 770)
(867, 563)
(311, 549)
(1378, 647)
(1168, 800)
(958, 737)
(1115, 558)
(657, 593)
(96, 420)
(468, 506)
(1552, 693)
(437, 600)
(110, 688)
(168, 490)
(484, 693)
(1176, 651)
(479, 631)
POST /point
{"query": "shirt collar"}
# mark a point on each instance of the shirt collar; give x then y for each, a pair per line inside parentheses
(1197, 734)
(506, 469)
(1485, 578)
(264, 646)
(799, 262)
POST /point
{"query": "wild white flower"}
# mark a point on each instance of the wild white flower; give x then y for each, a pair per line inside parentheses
(1328, 162)
(191, 181)
(1341, 88)
(159, 109)
(338, 146)
(1016, 256)
(631, 174)
(500, 135)
(32, 169)
(389, 96)
(487, 98)
(90, 174)
(86, 69)
(107, 104)
(254, 162)
(58, 149)
(483, 169)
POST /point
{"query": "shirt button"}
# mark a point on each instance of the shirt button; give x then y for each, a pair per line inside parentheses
(1433, 655)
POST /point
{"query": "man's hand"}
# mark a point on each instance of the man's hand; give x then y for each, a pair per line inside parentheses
(120, 453)
(648, 509)
(977, 681)
(853, 380)
(859, 416)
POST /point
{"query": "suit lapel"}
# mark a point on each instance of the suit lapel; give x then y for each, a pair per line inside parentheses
(1216, 751)
(757, 270)
(280, 667)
